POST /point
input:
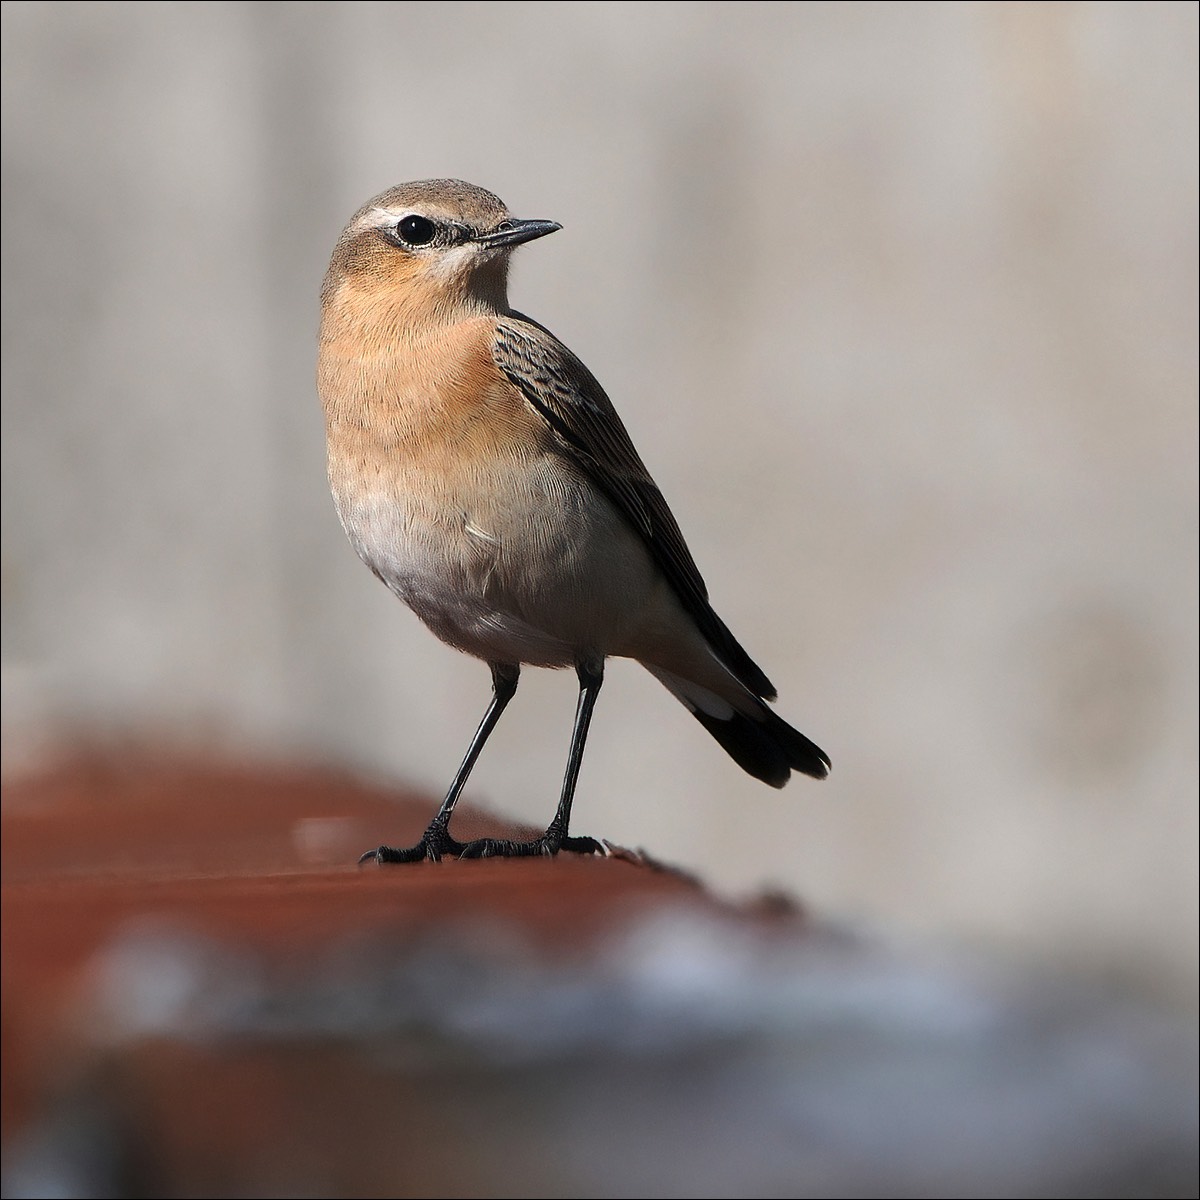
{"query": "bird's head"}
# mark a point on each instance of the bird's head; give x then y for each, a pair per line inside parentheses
(434, 244)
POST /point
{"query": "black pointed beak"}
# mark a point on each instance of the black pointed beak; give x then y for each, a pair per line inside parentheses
(513, 232)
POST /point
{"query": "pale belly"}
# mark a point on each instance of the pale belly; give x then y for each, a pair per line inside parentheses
(536, 567)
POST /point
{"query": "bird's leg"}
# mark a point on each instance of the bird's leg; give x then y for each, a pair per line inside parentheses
(436, 840)
(591, 676)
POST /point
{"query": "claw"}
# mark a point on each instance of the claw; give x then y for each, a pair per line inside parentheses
(434, 843)
(543, 847)
(389, 854)
(437, 843)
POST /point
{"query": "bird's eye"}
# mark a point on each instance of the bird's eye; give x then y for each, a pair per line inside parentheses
(416, 231)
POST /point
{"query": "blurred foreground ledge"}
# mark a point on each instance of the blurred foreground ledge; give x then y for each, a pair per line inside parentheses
(203, 996)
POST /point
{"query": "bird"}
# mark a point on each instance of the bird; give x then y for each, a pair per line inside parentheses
(483, 475)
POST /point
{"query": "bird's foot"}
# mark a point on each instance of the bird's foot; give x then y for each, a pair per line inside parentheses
(547, 845)
(435, 844)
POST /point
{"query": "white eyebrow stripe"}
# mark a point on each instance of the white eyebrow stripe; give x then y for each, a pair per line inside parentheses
(376, 217)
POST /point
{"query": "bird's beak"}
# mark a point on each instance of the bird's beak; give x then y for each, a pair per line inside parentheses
(513, 232)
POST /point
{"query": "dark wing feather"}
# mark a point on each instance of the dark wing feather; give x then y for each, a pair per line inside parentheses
(568, 397)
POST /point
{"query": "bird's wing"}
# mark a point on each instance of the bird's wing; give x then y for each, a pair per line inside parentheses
(571, 401)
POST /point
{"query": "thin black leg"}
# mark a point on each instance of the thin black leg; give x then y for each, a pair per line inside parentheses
(556, 838)
(436, 840)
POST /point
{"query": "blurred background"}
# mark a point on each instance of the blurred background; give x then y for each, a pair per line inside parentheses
(898, 302)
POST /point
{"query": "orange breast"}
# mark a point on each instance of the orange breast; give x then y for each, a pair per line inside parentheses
(418, 408)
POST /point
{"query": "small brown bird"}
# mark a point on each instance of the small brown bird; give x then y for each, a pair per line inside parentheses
(482, 473)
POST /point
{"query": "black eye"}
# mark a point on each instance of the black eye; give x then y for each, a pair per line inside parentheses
(416, 231)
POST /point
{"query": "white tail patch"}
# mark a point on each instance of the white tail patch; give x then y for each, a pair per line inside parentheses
(693, 696)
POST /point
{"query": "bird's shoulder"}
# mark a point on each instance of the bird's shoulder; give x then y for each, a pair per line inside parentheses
(569, 398)
(534, 358)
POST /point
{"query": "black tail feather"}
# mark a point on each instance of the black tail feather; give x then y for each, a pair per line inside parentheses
(768, 748)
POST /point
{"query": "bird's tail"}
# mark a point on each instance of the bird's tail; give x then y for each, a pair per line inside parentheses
(760, 741)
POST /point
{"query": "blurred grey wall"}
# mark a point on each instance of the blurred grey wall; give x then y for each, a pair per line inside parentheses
(897, 300)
